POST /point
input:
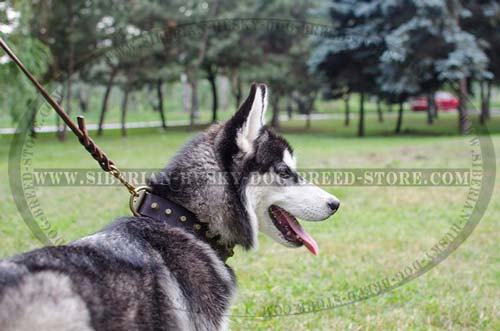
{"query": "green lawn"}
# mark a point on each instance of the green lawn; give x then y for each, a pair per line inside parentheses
(376, 233)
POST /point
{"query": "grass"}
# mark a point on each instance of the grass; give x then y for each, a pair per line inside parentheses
(376, 233)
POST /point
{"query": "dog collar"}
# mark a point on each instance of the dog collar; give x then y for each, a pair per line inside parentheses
(158, 208)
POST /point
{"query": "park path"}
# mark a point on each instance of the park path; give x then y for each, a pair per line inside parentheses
(157, 124)
(181, 123)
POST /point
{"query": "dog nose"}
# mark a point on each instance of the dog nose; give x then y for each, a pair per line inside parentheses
(334, 205)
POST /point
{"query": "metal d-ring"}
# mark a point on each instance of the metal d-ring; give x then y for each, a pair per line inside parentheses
(136, 198)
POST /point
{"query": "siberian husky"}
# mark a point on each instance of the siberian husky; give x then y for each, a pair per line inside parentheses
(145, 273)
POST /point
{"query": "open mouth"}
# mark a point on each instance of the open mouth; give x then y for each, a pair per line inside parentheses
(291, 230)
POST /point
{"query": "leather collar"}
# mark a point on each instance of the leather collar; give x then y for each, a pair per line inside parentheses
(164, 210)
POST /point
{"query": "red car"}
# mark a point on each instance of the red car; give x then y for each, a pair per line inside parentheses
(444, 101)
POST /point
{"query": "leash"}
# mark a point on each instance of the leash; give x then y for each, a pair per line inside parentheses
(80, 131)
(142, 201)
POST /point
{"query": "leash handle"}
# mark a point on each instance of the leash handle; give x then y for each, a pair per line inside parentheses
(80, 131)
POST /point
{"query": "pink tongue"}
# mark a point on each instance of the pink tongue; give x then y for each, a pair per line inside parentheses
(309, 242)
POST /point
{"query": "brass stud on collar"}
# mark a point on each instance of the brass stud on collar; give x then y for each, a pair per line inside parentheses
(197, 227)
(168, 211)
(155, 205)
(183, 218)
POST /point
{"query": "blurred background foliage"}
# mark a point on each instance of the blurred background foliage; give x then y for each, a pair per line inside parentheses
(377, 52)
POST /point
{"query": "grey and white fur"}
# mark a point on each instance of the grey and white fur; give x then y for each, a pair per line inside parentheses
(142, 274)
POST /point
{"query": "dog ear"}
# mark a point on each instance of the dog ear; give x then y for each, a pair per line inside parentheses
(250, 117)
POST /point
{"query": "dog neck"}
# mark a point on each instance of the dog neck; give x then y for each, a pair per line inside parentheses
(164, 210)
(188, 182)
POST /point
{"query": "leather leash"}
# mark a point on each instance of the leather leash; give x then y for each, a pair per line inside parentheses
(142, 201)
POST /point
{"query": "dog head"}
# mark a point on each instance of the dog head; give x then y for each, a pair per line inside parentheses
(273, 193)
(261, 189)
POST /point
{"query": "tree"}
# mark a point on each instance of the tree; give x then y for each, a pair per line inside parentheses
(465, 62)
(429, 49)
(349, 57)
(69, 31)
(193, 54)
(482, 19)
(118, 25)
(304, 85)
(396, 49)
(16, 16)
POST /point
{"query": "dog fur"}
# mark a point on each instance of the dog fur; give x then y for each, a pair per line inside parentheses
(142, 274)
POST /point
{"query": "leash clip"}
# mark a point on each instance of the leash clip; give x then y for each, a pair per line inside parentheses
(137, 194)
(118, 175)
(137, 197)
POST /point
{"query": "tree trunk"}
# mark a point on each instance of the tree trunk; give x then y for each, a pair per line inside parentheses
(301, 105)
(83, 98)
(463, 114)
(104, 106)
(435, 107)
(302, 109)
(431, 108)
(379, 111)
(186, 94)
(310, 106)
(31, 105)
(361, 124)
(60, 101)
(347, 109)
(312, 100)
(238, 95)
(159, 92)
(389, 107)
(63, 133)
(289, 110)
(400, 117)
(124, 111)
(488, 99)
(58, 126)
(275, 122)
(194, 68)
(194, 113)
(482, 117)
(485, 101)
(192, 80)
(212, 79)
(71, 61)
